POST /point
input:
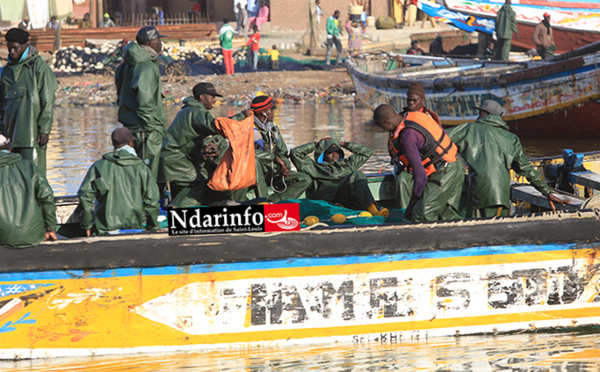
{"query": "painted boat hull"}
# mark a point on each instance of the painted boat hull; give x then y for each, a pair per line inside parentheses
(155, 293)
(540, 98)
(574, 23)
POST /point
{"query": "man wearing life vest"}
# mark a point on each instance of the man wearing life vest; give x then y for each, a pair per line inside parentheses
(422, 145)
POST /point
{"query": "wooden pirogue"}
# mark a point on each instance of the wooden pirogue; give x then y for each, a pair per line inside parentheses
(43, 40)
(381, 283)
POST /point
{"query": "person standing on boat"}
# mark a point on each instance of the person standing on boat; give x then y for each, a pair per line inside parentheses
(424, 147)
(436, 48)
(27, 92)
(334, 178)
(126, 191)
(139, 95)
(543, 38)
(333, 37)
(491, 151)
(506, 24)
(272, 158)
(192, 150)
(28, 213)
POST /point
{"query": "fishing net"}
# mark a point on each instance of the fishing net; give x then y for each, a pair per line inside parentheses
(324, 211)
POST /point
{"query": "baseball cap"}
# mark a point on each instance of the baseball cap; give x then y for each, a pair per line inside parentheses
(147, 33)
(546, 14)
(491, 107)
(332, 148)
(205, 88)
(121, 136)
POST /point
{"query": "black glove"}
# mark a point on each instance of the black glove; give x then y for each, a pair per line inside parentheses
(42, 139)
(408, 213)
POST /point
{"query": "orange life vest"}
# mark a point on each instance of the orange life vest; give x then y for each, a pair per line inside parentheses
(438, 150)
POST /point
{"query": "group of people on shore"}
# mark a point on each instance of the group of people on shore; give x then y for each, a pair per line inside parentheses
(150, 162)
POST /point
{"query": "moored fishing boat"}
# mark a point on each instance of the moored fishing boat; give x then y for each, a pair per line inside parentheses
(575, 24)
(557, 98)
(388, 283)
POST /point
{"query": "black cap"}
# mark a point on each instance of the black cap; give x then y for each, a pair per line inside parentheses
(205, 88)
(333, 148)
(146, 34)
(121, 136)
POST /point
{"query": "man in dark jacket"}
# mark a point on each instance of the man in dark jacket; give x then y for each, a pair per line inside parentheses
(491, 151)
(334, 178)
(27, 88)
(28, 213)
(272, 159)
(139, 93)
(127, 193)
(436, 48)
(192, 150)
(506, 24)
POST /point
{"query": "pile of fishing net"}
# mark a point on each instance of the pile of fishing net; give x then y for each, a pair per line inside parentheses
(319, 211)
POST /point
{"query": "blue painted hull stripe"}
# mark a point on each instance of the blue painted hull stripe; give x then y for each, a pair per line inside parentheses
(288, 263)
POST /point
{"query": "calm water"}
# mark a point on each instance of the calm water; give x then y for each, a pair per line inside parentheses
(568, 352)
(81, 135)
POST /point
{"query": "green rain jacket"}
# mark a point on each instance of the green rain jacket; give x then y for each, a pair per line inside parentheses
(139, 91)
(27, 91)
(181, 158)
(327, 176)
(28, 209)
(491, 150)
(126, 191)
(506, 22)
(268, 144)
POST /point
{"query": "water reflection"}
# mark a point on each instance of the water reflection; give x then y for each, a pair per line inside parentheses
(81, 135)
(525, 352)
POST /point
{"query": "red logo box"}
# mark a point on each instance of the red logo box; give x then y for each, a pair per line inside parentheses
(282, 217)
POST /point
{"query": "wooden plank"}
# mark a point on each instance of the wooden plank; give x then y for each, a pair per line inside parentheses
(528, 194)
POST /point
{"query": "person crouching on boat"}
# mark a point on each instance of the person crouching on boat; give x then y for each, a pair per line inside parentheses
(126, 191)
(336, 179)
(28, 213)
(272, 159)
(192, 150)
(491, 150)
(424, 147)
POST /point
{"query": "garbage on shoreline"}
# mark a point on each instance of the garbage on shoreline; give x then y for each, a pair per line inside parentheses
(89, 93)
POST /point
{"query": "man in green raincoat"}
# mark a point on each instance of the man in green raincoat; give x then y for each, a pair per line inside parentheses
(272, 159)
(127, 193)
(334, 178)
(27, 89)
(506, 24)
(491, 151)
(139, 93)
(28, 213)
(192, 150)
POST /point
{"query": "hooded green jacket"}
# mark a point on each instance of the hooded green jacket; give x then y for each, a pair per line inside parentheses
(491, 150)
(139, 91)
(506, 22)
(28, 209)
(327, 176)
(27, 91)
(181, 158)
(127, 194)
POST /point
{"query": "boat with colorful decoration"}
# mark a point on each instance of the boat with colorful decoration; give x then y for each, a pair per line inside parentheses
(556, 97)
(574, 23)
(382, 283)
